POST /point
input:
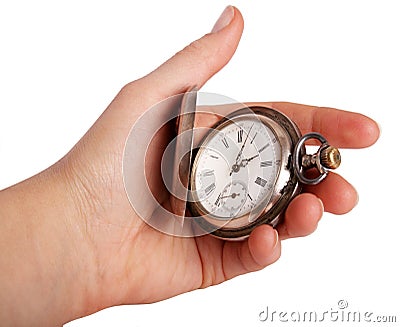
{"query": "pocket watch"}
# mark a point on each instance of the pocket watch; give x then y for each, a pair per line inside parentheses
(225, 179)
(247, 168)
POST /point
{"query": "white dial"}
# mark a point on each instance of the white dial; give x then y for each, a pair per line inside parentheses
(236, 168)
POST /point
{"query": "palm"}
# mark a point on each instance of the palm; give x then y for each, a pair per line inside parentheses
(138, 263)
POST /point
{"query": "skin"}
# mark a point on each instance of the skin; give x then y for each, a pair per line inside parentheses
(71, 243)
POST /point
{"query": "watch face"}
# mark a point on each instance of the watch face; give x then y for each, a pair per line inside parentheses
(236, 168)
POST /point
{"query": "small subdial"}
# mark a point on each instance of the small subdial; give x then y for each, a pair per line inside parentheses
(233, 197)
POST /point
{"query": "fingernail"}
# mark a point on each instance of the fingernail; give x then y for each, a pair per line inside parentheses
(322, 208)
(276, 239)
(380, 129)
(224, 19)
(322, 204)
(358, 199)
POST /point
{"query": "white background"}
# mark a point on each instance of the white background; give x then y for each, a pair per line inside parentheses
(61, 63)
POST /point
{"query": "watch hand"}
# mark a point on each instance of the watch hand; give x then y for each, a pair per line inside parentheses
(243, 145)
(236, 166)
(244, 162)
(220, 197)
(233, 195)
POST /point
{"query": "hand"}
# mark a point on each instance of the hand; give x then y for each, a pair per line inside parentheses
(72, 244)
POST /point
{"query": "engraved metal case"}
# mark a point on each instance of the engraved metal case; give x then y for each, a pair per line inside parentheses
(286, 186)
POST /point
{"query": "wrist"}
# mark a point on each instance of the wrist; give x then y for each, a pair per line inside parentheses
(45, 261)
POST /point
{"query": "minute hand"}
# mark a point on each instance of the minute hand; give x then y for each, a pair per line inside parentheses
(236, 165)
(243, 145)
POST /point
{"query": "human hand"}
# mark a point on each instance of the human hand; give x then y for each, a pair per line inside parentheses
(79, 245)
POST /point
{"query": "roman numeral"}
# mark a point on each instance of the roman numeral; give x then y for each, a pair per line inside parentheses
(240, 136)
(264, 147)
(225, 142)
(260, 181)
(214, 157)
(218, 199)
(267, 163)
(207, 173)
(209, 189)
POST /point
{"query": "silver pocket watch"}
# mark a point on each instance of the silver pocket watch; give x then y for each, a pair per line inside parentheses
(225, 179)
(248, 167)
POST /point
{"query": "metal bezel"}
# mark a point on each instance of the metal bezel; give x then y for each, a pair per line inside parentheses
(285, 188)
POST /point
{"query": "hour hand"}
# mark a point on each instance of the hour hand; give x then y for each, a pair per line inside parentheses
(244, 162)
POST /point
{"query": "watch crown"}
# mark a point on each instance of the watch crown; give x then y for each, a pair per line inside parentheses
(330, 157)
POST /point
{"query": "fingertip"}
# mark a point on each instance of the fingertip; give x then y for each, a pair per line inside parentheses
(374, 131)
(345, 200)
(239, 19)
(347, 129)
(344, 129)
(261, 249)
(201, 59)
(337, 194)
(264, 245)
(302, 216)
(230, 15)
(367, 129)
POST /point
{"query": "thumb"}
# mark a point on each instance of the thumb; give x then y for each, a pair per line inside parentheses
(201, 59)
(192, 66)
(99, 153)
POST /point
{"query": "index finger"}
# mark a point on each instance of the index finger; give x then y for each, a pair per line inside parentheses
(343, 129)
